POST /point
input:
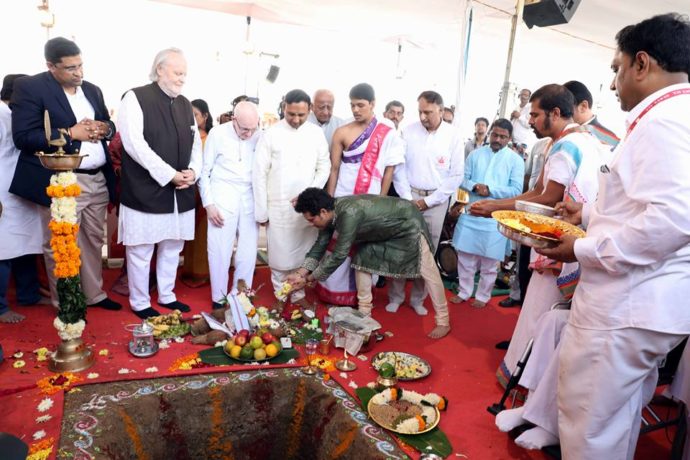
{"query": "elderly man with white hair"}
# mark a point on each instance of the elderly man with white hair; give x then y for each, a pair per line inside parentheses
(225, 184)
(159, 168)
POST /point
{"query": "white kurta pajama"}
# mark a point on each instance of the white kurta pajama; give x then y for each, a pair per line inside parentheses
(477, 240)
(340, 287)
(287, 161)
(226, 182)
(628, 311)
(20, 223)
(434, 163)
(574, 162)
(141, 231)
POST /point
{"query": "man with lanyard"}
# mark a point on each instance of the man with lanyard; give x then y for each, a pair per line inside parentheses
(364, 154)
(492, 172)
(570, 173)
(289, 157)
(392, 239)
(584, 115)
(434, 161)
(628, 311)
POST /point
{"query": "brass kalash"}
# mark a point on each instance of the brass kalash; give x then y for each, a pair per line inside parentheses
(71, 355)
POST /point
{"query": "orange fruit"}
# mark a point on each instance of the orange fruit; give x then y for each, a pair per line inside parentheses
(271, 350)
(235, 351)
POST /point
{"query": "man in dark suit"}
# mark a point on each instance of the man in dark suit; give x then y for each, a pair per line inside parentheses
(76, 106)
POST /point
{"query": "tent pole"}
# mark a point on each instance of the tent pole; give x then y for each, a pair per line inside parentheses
(505, 91)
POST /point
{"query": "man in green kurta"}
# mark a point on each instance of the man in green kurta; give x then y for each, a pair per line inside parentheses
(387, 236)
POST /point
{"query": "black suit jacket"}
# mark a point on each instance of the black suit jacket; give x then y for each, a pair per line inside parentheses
(30, 98)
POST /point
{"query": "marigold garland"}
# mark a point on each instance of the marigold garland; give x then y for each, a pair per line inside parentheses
(63, 190)
(53, 383)
(186, 363)
(41, 450)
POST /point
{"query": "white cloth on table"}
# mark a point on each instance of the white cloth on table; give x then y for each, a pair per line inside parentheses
(634, 263)
(287, 161)
(20, 223)
(82, 108)
(226, 182)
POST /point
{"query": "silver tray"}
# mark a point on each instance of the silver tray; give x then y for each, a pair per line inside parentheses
(534, 240)
(523, 238)
(401, 355)
(535, 208)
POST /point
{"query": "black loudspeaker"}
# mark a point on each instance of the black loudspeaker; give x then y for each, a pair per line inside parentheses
(273, 72)
(544, 13)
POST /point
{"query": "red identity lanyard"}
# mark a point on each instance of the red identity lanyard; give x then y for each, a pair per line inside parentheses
(657, 101)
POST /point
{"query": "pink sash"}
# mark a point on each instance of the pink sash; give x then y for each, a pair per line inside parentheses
(368, 168)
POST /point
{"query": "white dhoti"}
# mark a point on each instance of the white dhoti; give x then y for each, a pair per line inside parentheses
(542, 293)
(605, 379)
(239, 226)
(680, 390)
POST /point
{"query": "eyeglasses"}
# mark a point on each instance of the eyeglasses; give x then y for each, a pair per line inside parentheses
(71, 68)
(244, 130)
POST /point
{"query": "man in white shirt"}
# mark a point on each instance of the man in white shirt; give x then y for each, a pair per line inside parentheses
(522, 131)
(225, 185)
(434, 161)
(159, 168)
(291, 156)
(628, 311)
(322, 114)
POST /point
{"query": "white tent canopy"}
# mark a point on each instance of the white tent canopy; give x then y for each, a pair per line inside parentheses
(332, 44)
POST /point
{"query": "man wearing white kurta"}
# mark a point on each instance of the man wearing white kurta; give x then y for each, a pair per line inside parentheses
(290, 157)
(434, 161)
(492, 172)
(226, 193)
(522, 131)
(628, 311)
(322, 114)
(20, 223)
(159, 167)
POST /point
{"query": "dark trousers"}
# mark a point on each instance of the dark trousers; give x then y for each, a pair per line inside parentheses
(25, 279)
(523, 271)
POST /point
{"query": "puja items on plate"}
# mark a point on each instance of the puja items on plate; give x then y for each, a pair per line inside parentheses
(169, 326)
(405, 366)
(405, 411)
(535, 230)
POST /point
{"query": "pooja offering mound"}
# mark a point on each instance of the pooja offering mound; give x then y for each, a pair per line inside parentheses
(534, 230)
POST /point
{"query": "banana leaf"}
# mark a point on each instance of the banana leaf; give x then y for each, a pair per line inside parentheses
(217, 356)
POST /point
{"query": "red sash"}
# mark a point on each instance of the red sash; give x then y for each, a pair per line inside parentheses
(371, 155)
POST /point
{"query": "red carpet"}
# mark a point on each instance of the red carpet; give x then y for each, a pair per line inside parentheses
(463, 364)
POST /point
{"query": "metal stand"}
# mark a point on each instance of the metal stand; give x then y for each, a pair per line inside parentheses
(345, 364)
(72, 355)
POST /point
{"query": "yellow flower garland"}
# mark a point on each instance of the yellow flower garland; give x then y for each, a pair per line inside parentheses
(63, 239)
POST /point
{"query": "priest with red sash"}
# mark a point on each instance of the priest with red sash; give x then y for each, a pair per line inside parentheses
(364, 155)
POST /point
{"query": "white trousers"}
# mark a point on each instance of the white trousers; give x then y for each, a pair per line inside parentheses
(467, 267)
(139, 264)
(240, 227)
(277, 278)
(434, 218)
(605, 378)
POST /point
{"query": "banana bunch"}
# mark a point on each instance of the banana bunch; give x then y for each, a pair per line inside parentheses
(282, 293)
(163, 323)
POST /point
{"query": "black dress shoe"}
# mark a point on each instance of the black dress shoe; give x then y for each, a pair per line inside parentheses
(502, 345)
(176, 305)
(107, 304)
(381, 282)
(217, 305)
(509, 303)
(146, 313)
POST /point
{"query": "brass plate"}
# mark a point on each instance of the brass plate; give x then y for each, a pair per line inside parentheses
(532, 239)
